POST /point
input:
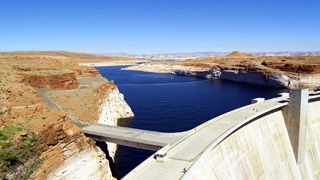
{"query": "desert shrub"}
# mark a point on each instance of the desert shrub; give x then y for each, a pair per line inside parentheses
(13, 156)
(9, 131)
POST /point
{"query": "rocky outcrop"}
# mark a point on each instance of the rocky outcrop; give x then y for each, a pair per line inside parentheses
(67, 80)
(205, 54)
(45, 142)
(86, 71)
(113, 108)
(239, 55)
(69, 154)
(274, 80)
(261, 78)
(282, 71)
(88, 161)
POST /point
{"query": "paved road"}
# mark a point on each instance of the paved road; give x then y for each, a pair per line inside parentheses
(42, 93)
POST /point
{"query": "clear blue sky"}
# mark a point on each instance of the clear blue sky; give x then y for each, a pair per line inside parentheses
(159, 26)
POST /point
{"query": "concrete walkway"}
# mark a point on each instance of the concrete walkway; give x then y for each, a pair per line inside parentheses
(138, 138)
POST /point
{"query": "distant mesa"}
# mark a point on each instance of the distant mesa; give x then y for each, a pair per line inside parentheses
(237, 54)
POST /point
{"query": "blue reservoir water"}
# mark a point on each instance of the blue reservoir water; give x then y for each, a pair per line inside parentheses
(169, 103)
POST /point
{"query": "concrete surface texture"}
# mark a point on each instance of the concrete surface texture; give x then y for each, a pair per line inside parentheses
(262, 150)
(297, 122)
(310, 169)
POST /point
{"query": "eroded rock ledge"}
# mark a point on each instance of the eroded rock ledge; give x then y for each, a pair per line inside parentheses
(281, 71)
(41, 142)
(89, 162)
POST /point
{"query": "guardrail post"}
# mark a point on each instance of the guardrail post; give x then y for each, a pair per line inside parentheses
(297, 122)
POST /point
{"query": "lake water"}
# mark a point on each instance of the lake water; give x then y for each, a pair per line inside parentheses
(169, 103)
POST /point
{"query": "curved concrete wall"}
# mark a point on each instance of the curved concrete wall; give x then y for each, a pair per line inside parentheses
(311, 168)
(262, 150)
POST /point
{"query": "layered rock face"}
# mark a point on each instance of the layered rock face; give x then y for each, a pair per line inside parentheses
(284, 72)
(262, 150)
(68, 154)
(274, 80)
(66, 80)
(40, 142)
(90, 162)
(261, 78)
(114, 108)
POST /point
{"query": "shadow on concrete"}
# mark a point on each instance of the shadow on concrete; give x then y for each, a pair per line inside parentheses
(104, 147)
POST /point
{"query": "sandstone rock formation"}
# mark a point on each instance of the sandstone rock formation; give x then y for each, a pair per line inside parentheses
(239, 55)
(193, 55)
(40, 142)
(285, 72)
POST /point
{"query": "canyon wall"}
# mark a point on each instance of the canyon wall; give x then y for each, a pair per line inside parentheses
(260, 78)
(113, 108)
(275, 80)
(262, 150)
(69, 154)
(79, 157)
(280, 80)
(38, 141)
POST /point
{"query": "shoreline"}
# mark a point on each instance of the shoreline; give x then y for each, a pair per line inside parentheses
(114, 63)
(287, 81)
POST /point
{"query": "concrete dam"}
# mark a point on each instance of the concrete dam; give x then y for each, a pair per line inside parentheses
(273, 139)
(264, 149)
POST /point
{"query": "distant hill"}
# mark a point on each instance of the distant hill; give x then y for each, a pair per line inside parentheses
(237, 54)
(193, 55)
(79, 57)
